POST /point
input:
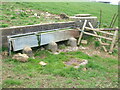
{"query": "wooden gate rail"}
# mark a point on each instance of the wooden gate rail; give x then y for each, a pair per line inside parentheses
(101, 30)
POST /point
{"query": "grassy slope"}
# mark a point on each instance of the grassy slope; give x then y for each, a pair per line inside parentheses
(102, 72)
(56, 8)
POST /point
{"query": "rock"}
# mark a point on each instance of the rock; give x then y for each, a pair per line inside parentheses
(76, 66)
(84, 69)
(64, 16)
(42, 48)
(56, 53)
(82, 15)
(76, 63)
(72, 42)
(52, 47)
(9, 76)
(48, 14)
(84, 63)
(68, 49)
(42, 14)
(4, 53)
(35, 14)
(74, 48)
(84, 42)
(83, 48)
(21, 57)
(38, 16)
(42, 63)
(27, 50)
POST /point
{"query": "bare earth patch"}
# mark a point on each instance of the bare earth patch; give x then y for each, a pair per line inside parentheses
(75, 62)
(92, 51)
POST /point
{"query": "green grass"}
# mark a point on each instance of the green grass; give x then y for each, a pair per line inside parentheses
(97, 43)
(99, 70)
(10, 17)
(12, 82)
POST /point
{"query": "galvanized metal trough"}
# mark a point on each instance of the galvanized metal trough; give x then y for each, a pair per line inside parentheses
(35, 39)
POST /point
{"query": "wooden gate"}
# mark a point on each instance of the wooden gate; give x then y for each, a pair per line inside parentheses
(99, 37)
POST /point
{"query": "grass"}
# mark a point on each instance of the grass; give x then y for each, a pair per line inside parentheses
(101, 72)
(12, 82)
(10, 17)
(97, 43)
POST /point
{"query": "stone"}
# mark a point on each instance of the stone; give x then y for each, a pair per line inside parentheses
(21, 57)
(84, 69)
(27, 50)
(82, 48)
(9, 76)
(84, 63)
(64, 16)
(84, 42)
(42, 63)
(72, 42)
(74, 48)
(76, 63)
(82, 15)
(56, 53)
(38, 16)
(76, 67)
(53, 47)
(35, 14)
(4, 53)
(42, 48)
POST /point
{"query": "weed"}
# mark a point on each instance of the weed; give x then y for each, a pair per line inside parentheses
(13, 17)
(97, 44)
(69, 81)
(4, 25)
(30, 23)
(115, 52)
(12, 82)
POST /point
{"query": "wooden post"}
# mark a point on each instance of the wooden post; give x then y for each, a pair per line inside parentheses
(113, 41)
(112, 20)
(81, 34)
(100, 18)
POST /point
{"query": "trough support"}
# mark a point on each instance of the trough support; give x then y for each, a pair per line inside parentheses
(53, 47)
(72, 42)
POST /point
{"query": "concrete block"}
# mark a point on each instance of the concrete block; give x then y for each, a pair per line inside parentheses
(72, 42)
(53, 47)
